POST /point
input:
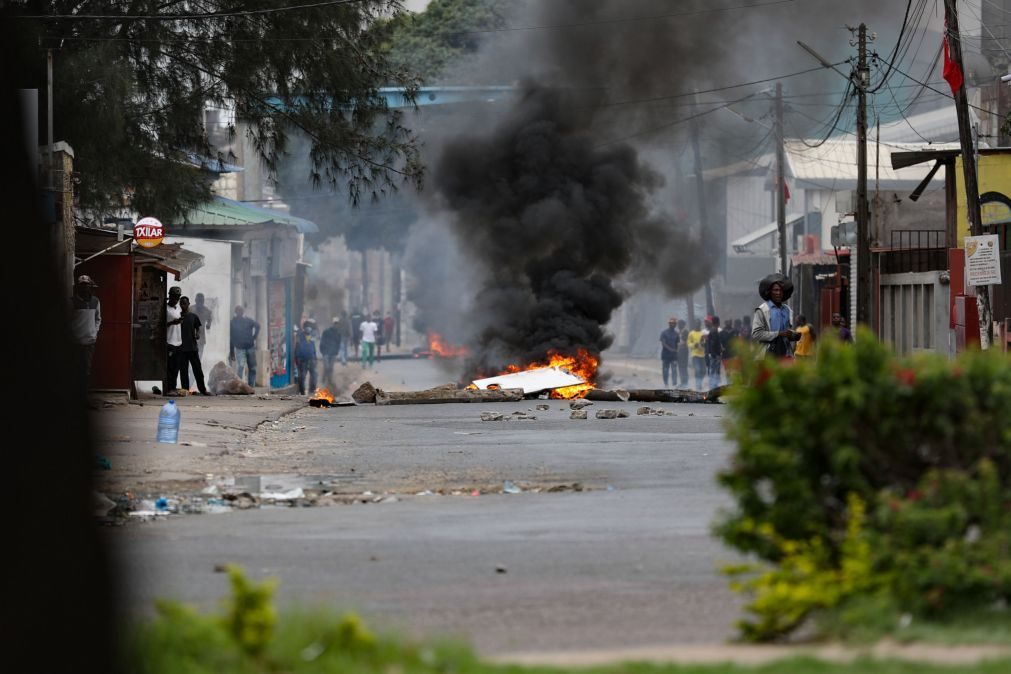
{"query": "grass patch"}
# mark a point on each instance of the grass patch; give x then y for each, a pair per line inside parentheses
(866, 620)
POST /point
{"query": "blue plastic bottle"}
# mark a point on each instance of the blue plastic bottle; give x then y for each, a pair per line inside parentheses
(168, 423)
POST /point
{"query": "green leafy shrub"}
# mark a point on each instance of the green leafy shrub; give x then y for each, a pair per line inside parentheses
(925, 443)
(251, 616)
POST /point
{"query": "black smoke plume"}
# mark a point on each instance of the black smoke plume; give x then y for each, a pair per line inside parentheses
(552, 217)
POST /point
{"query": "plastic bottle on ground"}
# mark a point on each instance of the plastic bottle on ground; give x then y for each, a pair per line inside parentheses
(168, 423)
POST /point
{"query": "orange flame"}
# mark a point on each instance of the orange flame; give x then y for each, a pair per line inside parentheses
(439, 347)
(323, 394)
(583, 364)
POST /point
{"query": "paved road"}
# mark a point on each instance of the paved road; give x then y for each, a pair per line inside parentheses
(629, 566)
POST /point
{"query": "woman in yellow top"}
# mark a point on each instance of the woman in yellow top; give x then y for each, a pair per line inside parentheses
(805, 347)
(697, 353)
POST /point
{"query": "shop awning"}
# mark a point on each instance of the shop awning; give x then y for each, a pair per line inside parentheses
(741, 245)
(171, 258)
(222, 212)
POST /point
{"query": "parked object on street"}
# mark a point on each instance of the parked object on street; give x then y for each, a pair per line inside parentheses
(168, 423)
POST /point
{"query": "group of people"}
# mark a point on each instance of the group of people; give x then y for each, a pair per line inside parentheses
(366, 334)
(705, 348)
(183, 342)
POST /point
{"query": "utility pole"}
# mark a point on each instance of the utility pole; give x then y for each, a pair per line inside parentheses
(780, 181)
(972, 210)
(703, 217)
(862, 214)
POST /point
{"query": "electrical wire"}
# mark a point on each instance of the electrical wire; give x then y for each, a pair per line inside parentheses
(188, 17)
(898, 44)
(942, 93)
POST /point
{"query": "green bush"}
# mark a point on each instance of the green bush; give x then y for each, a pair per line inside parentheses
(925, 443)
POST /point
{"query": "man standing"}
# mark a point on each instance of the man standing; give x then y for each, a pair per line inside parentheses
(86, 321)
(188, 350)
(242, 344)
(377, 320)
(205, 315)
(772, 323)
(683, 353)
(715, 343)
(329, 347)
(389, 325)
(697, 352)
(305, 357)
(357, 318)
(344, 327)
(368, 331)
(173, 340)
(840, 325)
(669, 342)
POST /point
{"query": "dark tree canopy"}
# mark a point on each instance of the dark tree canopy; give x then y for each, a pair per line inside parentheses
(429, 42)
(132, 83)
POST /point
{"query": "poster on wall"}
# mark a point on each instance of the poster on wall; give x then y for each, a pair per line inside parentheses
(277, 336)
(982, 260)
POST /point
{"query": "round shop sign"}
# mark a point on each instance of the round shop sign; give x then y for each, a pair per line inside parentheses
(148, 233)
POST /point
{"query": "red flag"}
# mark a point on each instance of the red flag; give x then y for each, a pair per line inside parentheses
(786, 192)
(952, 73)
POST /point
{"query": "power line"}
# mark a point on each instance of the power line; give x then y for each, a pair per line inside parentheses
(189, 17)
(898, 44)
(938, 91)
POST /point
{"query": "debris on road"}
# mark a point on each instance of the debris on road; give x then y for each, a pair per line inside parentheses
(492, 416)
(222, 380)
(658, 395)
(366, 393)
(500, 569)
(579, 404)
(510, 488)
(443, 394)
(652, 411)
(578, 414)
(532, 381)
(611, 414)
(543, 408)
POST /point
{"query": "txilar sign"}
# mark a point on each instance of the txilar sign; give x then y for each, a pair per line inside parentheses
(148, 232)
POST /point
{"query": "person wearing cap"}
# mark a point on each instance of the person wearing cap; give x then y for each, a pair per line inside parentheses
(670, 340)
(86, 320)
(329, 347)
(772, 323)
(173, 340)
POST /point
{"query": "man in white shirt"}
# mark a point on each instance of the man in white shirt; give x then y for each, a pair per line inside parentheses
(86, 320)
(368, 328)
(173, 339)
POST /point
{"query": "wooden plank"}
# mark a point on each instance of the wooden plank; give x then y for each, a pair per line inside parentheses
(445, 395)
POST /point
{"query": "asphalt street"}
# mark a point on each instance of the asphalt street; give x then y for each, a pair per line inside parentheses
(628, 561)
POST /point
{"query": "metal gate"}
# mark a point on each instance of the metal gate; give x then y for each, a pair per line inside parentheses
(914, 312)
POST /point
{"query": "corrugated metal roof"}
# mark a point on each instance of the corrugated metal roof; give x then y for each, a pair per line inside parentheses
(833, 165)
(222, 212)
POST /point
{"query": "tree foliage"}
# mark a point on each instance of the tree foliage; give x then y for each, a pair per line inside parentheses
(428, 42)
(132, 82)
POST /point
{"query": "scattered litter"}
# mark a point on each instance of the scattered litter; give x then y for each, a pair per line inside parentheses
(578, 414)
(193, 443)
(501, 569)
(147, 514)
(579, 404)
(466, 433)
(610, 487)
(543, 408)
(427, 492)
(611, 414)
(510, 488)
(475, 493)
(297, 492)
(691, 414)
(389, 499)
(119, 438)
(161, 504)
(523, 415)
(492, 416)
(102, 462)
(575, 486)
